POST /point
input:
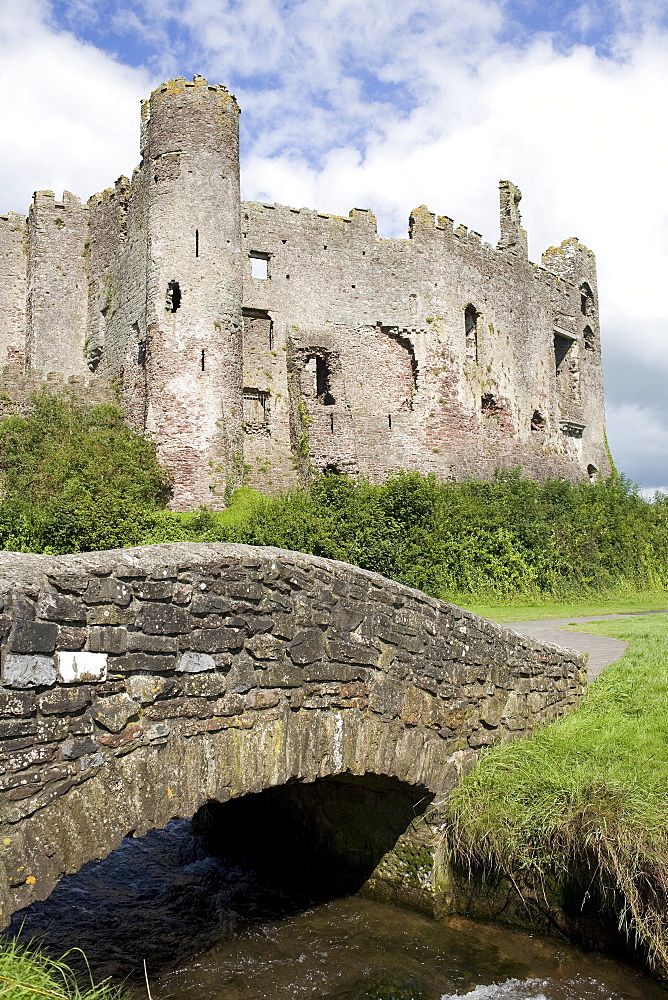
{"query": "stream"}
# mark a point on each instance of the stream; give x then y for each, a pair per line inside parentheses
(236, 928)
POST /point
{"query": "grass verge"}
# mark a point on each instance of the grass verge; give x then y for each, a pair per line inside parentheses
(613, 604)
(584, 801)
(27, 973)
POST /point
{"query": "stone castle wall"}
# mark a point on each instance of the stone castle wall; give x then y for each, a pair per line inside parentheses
(139, 684)
(263, 343)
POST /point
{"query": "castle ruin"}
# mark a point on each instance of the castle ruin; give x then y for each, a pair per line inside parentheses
(259, 343)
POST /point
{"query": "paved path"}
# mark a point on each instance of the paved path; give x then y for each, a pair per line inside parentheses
(602, 650)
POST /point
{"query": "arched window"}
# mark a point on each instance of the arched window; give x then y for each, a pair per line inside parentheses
(592, 472)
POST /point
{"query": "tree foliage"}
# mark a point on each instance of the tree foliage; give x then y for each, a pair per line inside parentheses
(75, 478)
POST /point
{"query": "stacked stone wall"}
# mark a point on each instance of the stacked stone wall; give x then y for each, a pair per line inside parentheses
(140, 683)
(17, 390)
(57, 297)
(335, 287)
(13, 277)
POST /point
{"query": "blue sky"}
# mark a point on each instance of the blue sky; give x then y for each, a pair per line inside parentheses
(375, 104)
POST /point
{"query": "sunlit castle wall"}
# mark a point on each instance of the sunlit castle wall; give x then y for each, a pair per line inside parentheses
(260, 343)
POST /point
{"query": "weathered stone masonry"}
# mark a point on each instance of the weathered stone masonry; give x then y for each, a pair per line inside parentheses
(139, 684)
(261, 342)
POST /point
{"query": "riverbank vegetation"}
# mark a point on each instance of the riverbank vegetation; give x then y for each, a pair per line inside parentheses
(75, 478)
(26, 973)
(582, 805)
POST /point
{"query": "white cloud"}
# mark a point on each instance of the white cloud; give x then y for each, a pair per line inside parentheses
(70, 113)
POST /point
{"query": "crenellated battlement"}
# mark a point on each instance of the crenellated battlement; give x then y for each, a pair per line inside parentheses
(13, 219)
(47, 199)
(118, 193)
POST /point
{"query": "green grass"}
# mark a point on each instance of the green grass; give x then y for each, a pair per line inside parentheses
(206, 525)
(509, 611)
(27, 973)
(585, 799)
(648, 630)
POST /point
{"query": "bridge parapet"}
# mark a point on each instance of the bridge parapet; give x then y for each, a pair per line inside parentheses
(138, 684)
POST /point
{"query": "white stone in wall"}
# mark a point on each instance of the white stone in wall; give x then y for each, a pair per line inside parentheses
(77, 667)
(195, 663)
(26, 670)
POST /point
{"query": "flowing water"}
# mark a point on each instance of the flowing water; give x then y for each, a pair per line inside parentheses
(221, 928)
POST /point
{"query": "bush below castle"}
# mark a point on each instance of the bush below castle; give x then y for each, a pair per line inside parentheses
(76, 478)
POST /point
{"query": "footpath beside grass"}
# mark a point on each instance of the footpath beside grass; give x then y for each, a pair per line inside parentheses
(584, 801)
(29, 974)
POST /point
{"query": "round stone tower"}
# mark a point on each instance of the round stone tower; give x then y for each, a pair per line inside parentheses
(191, 348)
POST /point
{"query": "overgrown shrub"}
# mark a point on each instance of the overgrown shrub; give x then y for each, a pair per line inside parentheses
(494, 539)
(75, 478)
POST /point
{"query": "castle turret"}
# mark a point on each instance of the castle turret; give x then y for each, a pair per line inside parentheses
(191, 346)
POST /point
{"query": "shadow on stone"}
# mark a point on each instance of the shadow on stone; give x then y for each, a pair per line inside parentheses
(314, 841)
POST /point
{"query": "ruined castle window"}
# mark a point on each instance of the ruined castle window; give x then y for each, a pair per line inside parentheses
(567, 365)
(562, 346)
(202, 360)
(389, 420)
(592, 472)
(537, 421)
(403, 338)
(173, 297)
(258, 329)
(259, 264)
(331, 422)
(197, 242)
(586, 300)
(489, 405)
(332, 470)
(322, 381)
(471, 329)
(588, 338)
(256, 410)
(141, 354)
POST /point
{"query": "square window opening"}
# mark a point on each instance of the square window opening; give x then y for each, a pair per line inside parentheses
(259, 265)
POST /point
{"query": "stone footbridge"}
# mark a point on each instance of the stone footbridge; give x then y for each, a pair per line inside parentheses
(140, 684)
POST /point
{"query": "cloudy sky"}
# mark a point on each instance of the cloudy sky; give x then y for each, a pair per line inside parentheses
(386, 105)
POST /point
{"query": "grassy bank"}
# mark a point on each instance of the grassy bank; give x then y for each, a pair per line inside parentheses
(27, 974)
(585, 800)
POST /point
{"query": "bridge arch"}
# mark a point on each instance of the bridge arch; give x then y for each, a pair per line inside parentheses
(139, 684)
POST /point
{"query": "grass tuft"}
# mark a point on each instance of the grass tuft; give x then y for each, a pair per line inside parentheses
(27, 972)
(585, 799)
